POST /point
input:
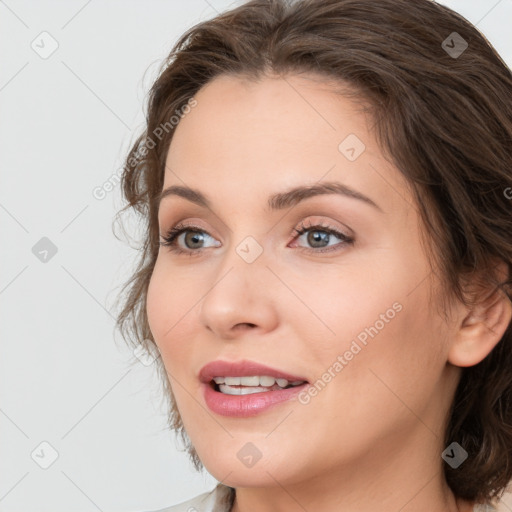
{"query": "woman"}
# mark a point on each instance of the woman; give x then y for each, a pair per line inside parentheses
(326, 271)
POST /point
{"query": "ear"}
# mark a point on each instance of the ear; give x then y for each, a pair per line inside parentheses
(482, 325)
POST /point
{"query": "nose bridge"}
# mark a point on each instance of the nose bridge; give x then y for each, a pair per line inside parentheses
(240, 292)
(243, 268)
(245, 253)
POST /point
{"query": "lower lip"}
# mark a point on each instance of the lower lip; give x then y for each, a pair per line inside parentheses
(243, 406)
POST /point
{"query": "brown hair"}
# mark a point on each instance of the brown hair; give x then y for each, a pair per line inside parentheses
(444, 120)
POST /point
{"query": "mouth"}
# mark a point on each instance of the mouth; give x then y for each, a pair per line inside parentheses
(246, 388)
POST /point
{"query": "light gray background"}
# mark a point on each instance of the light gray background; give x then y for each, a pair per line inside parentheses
(66, 377)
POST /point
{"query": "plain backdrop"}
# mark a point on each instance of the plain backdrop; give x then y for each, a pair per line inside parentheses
(71, 397)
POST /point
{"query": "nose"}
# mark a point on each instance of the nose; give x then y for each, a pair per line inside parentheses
(240, 298)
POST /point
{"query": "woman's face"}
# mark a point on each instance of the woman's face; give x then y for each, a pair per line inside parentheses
(351, 316)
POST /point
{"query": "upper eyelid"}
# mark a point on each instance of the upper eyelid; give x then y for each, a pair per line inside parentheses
(304, 225)
(187, 207)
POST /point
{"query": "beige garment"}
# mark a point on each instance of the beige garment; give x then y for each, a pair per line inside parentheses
(219, 499)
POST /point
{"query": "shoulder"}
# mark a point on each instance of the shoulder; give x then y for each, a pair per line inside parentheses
(219, 499)
(490, 507)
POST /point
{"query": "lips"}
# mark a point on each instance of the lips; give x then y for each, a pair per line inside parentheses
(245, 405)
(243, 369)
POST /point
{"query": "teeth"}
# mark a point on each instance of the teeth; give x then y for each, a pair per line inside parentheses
(253, 381)
(252, 384)
(267, 381)
(249, 381)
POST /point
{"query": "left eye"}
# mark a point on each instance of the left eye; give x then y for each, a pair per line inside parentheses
(319, 236)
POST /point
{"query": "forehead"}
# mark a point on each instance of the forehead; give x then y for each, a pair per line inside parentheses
(275, 133)
(270, 113)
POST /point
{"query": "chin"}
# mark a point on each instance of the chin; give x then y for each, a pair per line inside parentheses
(234, 471)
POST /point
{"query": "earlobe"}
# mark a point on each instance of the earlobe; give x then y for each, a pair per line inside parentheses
(481, 330)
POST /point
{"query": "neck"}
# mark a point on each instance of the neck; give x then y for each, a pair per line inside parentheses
(386, 478)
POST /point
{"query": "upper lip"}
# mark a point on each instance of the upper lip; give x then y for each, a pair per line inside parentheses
(243, 368)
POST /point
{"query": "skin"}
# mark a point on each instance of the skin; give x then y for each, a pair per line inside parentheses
(372, 438)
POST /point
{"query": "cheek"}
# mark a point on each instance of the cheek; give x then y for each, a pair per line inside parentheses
(170, 312)
(393, 371)
(344, 302)
(376, 317)
(157, 305)
(168, 307)
(393, 355)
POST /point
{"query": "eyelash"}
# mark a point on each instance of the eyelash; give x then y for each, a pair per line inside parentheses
(173, 233)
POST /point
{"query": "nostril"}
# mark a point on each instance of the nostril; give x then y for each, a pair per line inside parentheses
(245, 324)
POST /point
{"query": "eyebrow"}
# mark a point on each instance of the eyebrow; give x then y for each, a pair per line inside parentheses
(278, 201)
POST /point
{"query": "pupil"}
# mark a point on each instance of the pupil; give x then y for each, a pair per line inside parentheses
(318, 236)
(193, 238)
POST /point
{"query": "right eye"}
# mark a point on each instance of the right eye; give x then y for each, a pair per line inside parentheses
(192, 235)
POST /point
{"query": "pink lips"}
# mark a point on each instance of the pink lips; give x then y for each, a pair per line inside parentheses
(244, 405)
